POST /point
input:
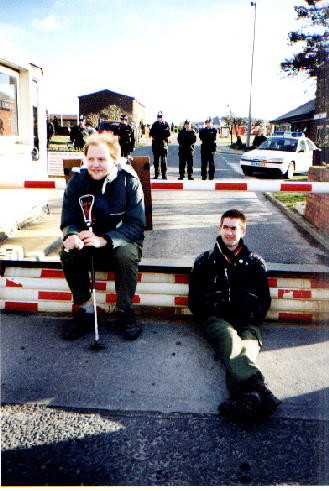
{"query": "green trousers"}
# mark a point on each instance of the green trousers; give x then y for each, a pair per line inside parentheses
(123, 260)
(236, 348)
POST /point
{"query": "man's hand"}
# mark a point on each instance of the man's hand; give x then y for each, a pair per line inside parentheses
(72, 242)
(88, 238)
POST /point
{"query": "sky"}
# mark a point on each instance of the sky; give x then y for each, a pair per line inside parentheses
(188, 58)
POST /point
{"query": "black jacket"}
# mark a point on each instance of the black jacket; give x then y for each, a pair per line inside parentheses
(233, 287)
(186, 138)
(118, 212)
(160, 133)
(208, 138)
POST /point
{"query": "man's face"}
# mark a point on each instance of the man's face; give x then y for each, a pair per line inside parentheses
(99, 161)
(208, 124)
(231, 232)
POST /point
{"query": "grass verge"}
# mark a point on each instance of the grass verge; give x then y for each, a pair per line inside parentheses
(290, 199)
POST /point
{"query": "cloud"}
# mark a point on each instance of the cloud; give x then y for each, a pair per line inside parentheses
(50, 23)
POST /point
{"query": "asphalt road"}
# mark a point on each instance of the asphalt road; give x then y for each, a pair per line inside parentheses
(186, 223)
(145, 413)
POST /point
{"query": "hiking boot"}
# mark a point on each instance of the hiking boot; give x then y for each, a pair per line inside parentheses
(269, 402)
(244, 409)
(128, 326)
(78, 326)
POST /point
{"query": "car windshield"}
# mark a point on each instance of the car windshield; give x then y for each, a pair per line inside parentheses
(280, 144)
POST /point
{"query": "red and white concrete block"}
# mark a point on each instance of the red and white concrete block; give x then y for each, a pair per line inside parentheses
(46, 290)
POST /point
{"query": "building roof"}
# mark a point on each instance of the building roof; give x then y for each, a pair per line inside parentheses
(106, 91)
(110, 92)
(300, 111)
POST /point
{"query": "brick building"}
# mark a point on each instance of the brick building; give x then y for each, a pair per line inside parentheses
(65, 119)
(96, 102)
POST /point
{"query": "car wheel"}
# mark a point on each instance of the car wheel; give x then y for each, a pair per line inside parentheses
(246, 170)
(290, 171)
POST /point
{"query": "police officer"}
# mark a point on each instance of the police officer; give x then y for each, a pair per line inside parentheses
(79, 133)
(126, 137)
(186, 139)
(160, 133)
(207, 136)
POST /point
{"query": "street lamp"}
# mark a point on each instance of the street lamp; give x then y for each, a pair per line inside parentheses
(253, 4)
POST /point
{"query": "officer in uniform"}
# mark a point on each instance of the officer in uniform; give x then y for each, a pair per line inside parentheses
(126, 137)
(160, 133)
(79, 133)
(186, 139)
(207, 136)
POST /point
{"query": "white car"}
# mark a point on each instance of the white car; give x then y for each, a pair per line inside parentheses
(283, 154)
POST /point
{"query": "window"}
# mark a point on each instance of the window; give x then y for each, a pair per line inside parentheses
(8, 103)
(302, 146)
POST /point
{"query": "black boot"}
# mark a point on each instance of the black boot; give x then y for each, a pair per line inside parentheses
(156, 172)
(181, 178)
(269, 401)
(78, 326)
(127, 324)
(242, 408)
(190, 178)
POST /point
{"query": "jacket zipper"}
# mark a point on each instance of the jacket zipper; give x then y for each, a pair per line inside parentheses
(228, 283)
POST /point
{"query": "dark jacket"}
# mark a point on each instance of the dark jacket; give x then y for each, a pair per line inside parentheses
(126, 136)
(232, 287)
(186, 138)
(208, 138)
(118, 212)
(79, 134)
(160, 133)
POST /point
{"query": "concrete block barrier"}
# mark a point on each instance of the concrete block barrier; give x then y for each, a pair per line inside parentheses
(41, 287)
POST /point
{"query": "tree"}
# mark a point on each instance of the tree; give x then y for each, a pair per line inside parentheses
(233, 122)
(111, 113)
(314, 44)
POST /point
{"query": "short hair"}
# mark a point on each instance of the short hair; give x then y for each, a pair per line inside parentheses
(234, 213)
(110, 141)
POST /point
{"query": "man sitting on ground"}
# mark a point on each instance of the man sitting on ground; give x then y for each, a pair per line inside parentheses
(230, 296)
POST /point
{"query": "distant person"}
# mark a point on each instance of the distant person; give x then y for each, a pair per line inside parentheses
(260, 138)
(79, 133)
(126, 135)
(186, 139)
(230, 297)
(56, 124)
(160, 132)
(208, 135)
(116, 239)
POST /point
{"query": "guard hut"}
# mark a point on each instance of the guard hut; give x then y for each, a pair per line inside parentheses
(23, 140)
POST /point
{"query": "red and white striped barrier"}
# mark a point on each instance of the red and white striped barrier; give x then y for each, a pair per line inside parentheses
(45, 290)
(196, 185)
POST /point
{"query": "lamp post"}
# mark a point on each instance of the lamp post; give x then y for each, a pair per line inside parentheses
(253, 4)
